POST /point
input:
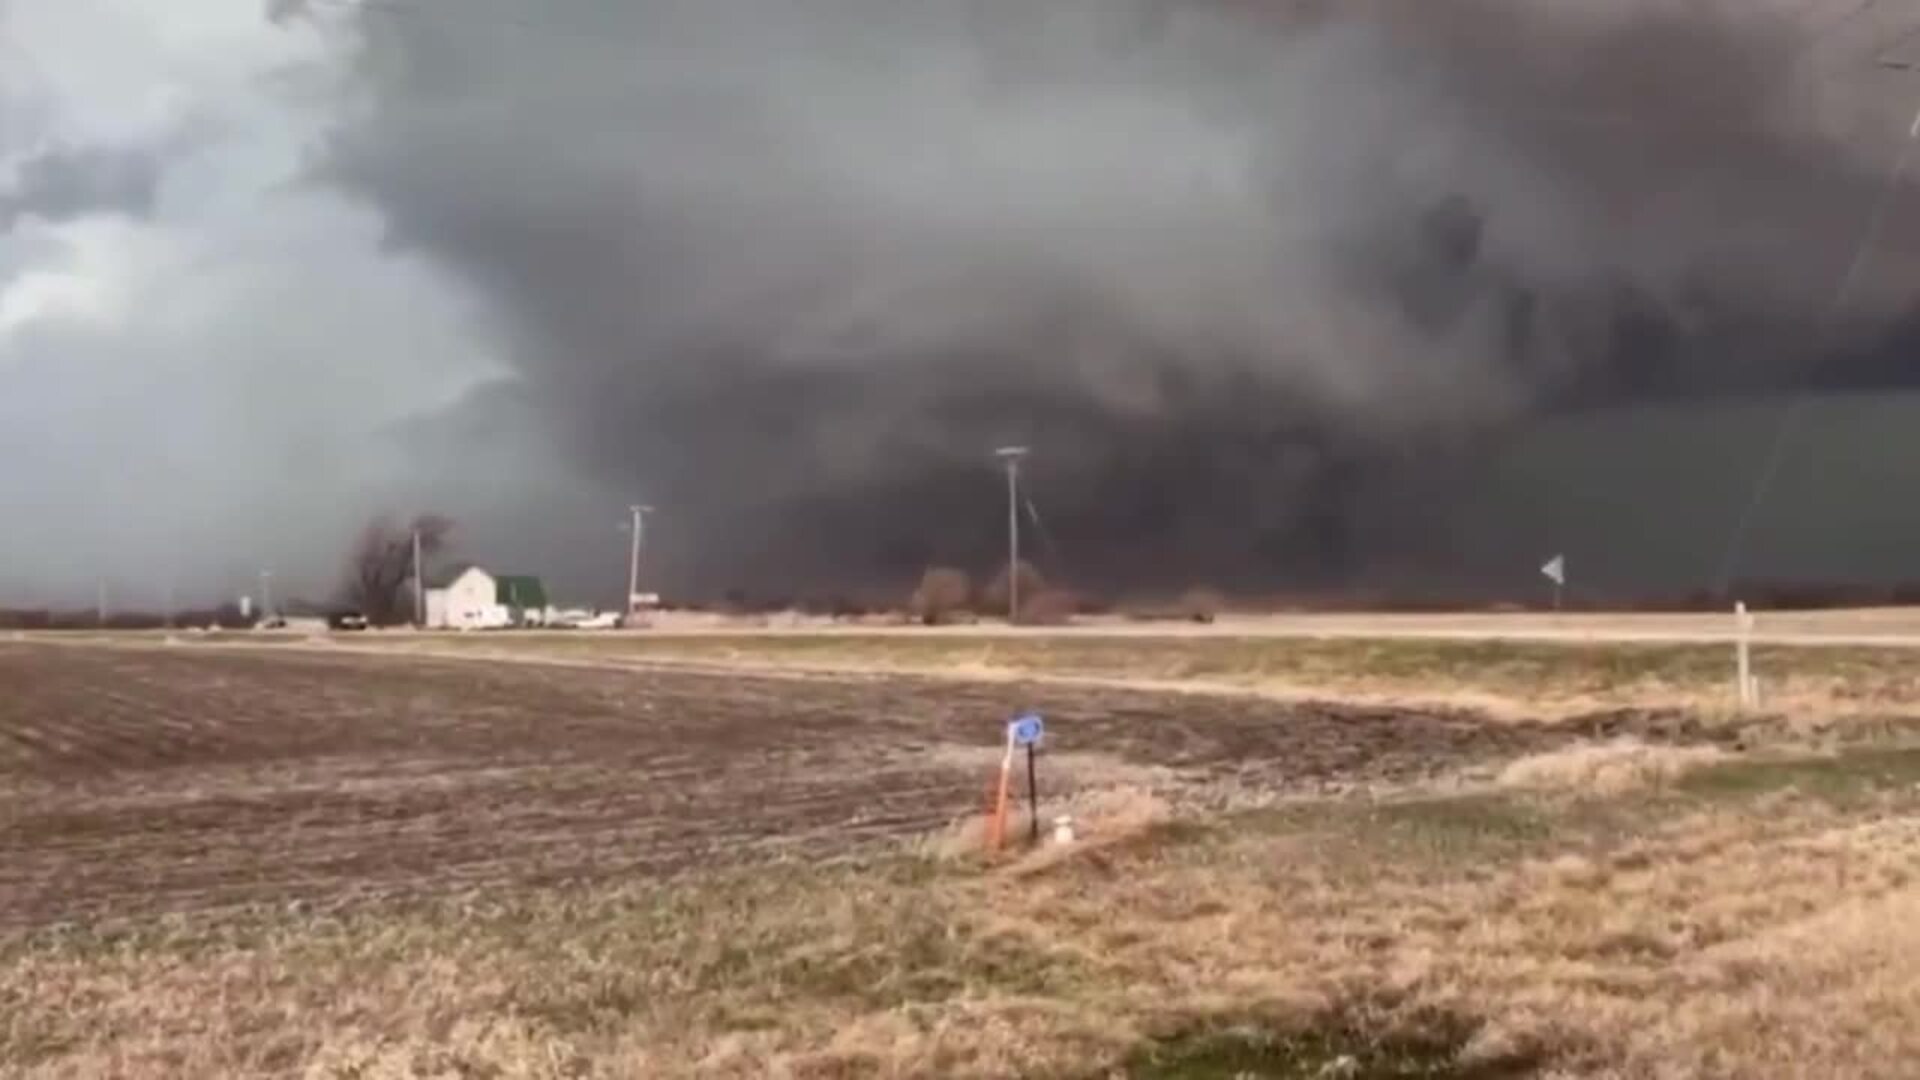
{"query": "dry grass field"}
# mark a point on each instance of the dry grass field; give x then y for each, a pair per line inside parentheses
(1525, 679)
(578, 861)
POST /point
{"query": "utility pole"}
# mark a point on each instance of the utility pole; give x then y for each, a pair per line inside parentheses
(1012, 456)
(639, 512)
(266, 595)
(419, 585)
(100, 602)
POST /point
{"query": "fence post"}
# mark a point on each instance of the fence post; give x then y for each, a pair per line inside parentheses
(1743, 657)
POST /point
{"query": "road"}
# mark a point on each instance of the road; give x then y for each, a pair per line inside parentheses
(1883, 627)
(1895, 627)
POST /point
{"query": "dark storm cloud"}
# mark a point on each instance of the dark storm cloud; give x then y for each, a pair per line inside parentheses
(793, 269)
(64, 182)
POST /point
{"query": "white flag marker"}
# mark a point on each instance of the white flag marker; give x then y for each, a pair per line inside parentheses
(1556, 570)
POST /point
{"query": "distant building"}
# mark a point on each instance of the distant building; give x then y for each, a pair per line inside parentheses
(524, 597)
(464, 599)
(469, 598)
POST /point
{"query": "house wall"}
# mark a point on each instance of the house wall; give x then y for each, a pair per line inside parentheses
(467, 604)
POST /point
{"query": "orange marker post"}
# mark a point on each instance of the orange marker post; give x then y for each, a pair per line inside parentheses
(997, 824)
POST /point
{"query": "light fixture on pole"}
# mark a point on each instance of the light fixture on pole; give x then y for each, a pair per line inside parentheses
(1011, 456)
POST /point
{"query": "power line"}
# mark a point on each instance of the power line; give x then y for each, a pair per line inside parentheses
(1046, 534)
(1789, 422)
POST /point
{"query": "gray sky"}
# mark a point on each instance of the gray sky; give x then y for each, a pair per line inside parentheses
(785, 270)
(194, 367)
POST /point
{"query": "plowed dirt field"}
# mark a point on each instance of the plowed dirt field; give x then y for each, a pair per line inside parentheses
(145, 781)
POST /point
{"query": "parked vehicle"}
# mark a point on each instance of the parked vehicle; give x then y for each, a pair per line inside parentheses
(346, 620)
(581, 619)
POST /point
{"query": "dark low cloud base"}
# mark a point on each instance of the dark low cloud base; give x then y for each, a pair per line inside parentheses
(1265, 285)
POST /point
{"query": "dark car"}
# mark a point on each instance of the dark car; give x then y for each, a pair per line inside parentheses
(346, 620)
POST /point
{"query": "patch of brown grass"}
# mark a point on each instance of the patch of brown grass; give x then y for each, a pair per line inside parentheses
(1100, 818)
(1610, 768)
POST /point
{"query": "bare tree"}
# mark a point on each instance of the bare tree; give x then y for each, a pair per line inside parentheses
(1031, 584)
(943, 594)
(382, 565)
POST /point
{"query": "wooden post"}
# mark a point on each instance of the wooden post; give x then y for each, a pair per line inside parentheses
(1033, 797)
(997, 823)
(1743, 657)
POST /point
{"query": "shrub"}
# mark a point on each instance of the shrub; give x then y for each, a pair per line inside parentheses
(1048, 607)
(1200, 604)
(1031, 585)
(942, 595)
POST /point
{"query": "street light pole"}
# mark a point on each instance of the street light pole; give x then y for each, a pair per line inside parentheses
(1012, 455)
(639, 511)
(419, 585)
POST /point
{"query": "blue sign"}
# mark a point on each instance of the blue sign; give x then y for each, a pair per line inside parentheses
(1028, 729)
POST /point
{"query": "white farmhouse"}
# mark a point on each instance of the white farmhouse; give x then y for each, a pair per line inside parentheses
(468, 599)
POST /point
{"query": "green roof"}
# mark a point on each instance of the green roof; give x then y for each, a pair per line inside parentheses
(519, 591)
